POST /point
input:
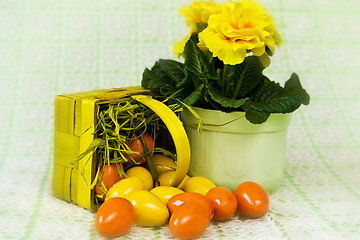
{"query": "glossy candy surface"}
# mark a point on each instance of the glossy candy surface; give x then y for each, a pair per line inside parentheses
(143, 174)
(138, 148)
(163, 163)
(224, 202)
(114, 218)
(182, 198)
(198, 184)
(108, 176)
(166, 178)
(150, 210)
(124, 187)
(253, 201)
(189, 220)
(165, 192)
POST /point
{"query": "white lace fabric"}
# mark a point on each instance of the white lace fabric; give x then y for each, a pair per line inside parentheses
(66, 46)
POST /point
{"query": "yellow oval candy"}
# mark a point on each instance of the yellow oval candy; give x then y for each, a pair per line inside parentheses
(199, 185)
(124, 187)
(143, 174)
(150, 211)
(165, 192)
(163, 163)
(166, 178)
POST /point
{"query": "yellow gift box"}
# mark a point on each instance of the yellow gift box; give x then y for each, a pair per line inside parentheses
(75, 122)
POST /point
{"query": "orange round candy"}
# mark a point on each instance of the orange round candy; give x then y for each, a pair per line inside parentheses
(108, 176)
(181, 198)
(223, 201)
(136, 146)
(115, 217)
(189, 220)
(253, 201)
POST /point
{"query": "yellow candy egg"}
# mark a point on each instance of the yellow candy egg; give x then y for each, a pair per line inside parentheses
(165, 192)
(199, 185)
(143, 174)
(150, 211)
(124, 187)
(166, 178)
(163, 163)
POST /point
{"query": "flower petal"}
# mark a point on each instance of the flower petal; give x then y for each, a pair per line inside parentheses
(243, 26)
(223, 48)
(178, 47)
(258, 51)
(265, 60)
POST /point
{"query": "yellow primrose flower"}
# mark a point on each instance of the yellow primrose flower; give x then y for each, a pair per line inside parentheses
(246, 27)
(197, 13)
(178, 47)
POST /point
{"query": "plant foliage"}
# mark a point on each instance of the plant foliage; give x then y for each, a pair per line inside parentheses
(205, 81)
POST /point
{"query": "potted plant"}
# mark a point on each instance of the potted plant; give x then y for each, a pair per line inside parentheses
(236, 118)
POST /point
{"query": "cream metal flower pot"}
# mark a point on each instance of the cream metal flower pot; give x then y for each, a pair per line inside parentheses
(230, 149)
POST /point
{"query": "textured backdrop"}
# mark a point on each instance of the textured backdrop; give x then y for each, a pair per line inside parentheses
(65, 46)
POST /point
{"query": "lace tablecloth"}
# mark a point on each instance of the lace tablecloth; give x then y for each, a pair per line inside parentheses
(65, 46)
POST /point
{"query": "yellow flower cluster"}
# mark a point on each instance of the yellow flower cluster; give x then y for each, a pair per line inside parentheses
(196, 14)
(233, 29)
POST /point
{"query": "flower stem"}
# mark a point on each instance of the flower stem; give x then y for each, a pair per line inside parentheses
(225, 80)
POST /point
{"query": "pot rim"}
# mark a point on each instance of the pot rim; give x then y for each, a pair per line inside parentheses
(233, 122)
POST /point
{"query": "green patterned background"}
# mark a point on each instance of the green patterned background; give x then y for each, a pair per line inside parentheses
(48, 47)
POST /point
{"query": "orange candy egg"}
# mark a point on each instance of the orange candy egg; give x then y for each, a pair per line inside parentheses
(108, 176)
(253, 201)
(137, 147)
(224, 202)
(179, 199)
(115, 217)
(189, 220)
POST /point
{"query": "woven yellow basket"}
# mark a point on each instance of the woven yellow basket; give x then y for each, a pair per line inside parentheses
(75, 121)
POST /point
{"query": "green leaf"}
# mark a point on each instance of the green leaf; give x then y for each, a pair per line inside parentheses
(151, 79)
(188, 81)
(246, 76)
(194, 96)
(164, 76)
(272, 98)
(214, 104)
(294, 85)
(267, 91)
(173, 69)
(256, 116)
(167, 90)
(224, 101)
(195, 60)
